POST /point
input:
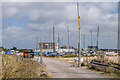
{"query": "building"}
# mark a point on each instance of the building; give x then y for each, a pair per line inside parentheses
(47, 46)
(50, 47)
(93, 47)
(65, 49)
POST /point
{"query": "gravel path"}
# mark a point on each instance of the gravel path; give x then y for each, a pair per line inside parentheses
(61, 69)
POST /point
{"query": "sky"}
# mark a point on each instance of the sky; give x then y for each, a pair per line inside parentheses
(24, 23)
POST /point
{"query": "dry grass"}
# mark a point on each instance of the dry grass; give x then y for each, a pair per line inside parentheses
(71, 59)
(26, 68)
(114, 58)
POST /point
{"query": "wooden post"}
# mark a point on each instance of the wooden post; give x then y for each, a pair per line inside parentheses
(79, 54)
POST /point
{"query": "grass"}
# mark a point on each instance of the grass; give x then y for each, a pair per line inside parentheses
(13, 67)
(67, 56)
(106, 74)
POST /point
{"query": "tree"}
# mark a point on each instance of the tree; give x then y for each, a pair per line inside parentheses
(82, 49)
(91, 49)
(64, 47)
(14, 48)
(5, 49)
(1, 49)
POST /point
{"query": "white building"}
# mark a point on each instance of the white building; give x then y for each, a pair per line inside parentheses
(46, 48)
(59, 50)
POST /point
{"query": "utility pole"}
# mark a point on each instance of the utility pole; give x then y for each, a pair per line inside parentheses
(68, 37)
(79, 54)
(53, 40)
(118, 38)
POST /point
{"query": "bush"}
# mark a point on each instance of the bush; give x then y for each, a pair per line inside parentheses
(27, 68)
(82, 64)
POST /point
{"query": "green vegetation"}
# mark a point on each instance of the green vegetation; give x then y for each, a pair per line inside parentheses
(24, 50)
(17, 67)
(67, 56)
(5, 49)
(1, 49)
(14, 48)
(64, 47)
(91, 49)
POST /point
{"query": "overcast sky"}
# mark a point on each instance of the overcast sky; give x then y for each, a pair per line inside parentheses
(24, 22)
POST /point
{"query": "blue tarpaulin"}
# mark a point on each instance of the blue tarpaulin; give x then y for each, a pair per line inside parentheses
(49, 53)
(36, 53)
(9, 52)
(68, 53)
(95, 51)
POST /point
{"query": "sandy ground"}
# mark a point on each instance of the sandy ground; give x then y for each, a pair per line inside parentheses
(114, 58)
(71, 59)
(60, 69)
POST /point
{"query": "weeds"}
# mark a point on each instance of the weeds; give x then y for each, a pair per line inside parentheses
(24, 68)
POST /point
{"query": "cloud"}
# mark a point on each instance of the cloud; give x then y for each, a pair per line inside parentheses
(60, 0)
(10, 12)
(41, 17)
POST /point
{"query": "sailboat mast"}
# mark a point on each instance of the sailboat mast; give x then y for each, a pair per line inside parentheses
(58, 41)
(84, 40)
(97, 36)
(53, 40)
(68, 37)
(91, 39)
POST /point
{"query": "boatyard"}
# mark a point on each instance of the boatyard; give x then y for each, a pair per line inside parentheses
(67, 43)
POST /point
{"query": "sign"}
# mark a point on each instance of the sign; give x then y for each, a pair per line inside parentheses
(79, 22)
(28, 54)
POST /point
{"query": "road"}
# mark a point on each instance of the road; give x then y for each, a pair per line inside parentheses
(60, 69)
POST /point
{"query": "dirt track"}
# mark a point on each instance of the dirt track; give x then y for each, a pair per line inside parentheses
(60, 69)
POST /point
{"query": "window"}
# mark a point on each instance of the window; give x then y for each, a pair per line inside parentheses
(46, 46)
